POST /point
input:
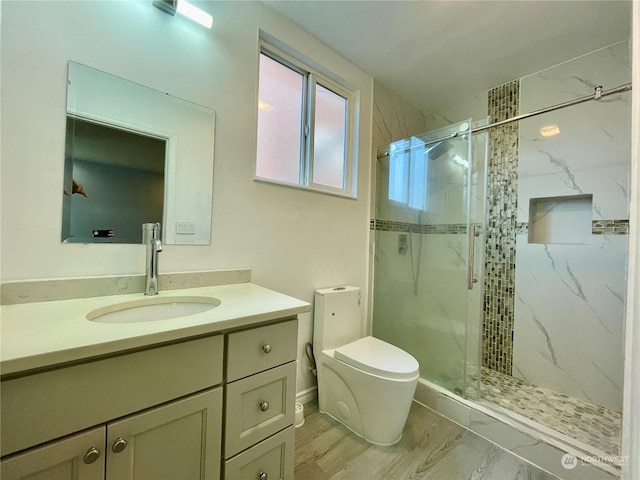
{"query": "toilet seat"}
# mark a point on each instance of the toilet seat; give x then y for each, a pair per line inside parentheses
(377, 357)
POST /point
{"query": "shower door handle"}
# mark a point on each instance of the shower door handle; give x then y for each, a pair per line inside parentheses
(473, 233)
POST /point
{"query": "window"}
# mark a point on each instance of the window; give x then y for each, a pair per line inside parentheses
(409, 173)
(305, 126)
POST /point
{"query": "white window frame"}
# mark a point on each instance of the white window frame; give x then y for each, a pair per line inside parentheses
(312, 76)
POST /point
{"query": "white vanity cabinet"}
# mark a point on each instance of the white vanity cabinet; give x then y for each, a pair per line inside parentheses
(204, 408)
(175, 441)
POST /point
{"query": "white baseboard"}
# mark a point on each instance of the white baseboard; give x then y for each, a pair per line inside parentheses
(307, 395)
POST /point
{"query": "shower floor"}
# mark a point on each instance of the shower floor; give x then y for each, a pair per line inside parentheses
(596, 428)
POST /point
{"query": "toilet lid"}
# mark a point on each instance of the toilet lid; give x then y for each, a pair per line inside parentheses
(379, 358)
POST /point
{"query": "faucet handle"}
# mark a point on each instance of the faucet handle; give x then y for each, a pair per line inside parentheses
(150, 231)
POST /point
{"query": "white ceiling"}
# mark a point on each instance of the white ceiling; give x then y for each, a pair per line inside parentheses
(433, 53)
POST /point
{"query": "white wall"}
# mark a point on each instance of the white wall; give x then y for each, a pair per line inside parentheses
(474, 107)
(631, 408)
(295, 241)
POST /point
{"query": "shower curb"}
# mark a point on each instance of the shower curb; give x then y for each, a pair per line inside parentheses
(535, 447)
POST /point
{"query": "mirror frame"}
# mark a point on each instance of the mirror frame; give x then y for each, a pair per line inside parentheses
(189, 131)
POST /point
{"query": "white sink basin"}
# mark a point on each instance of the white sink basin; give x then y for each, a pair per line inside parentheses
(152, 309)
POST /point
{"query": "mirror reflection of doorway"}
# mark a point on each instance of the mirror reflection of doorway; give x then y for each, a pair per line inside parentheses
(110, 171)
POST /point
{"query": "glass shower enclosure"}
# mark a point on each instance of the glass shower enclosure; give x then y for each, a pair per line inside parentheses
(429, 252)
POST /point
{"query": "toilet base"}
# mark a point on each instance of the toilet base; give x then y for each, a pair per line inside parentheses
(373, 407)
(359, 435)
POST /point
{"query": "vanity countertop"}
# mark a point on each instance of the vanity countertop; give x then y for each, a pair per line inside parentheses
(38, 335)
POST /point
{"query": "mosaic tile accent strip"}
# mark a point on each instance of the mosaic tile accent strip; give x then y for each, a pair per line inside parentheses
(441, 229)
(598, 227)
(500, 263)
(393, 226)
(593, 426)
(610, 227)
(522, 228)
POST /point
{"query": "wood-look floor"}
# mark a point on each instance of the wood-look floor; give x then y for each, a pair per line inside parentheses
(432, 447)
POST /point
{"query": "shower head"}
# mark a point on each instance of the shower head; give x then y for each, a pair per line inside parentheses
(439, 149)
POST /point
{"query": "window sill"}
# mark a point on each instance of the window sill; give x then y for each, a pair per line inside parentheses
(326, 191)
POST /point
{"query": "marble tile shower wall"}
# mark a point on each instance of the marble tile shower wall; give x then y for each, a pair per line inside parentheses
(569, 305)
(393, 118)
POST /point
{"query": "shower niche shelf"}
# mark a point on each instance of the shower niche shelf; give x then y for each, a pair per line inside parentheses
(564, 220)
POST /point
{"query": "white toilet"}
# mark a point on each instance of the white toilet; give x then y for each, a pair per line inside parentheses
(363, 382)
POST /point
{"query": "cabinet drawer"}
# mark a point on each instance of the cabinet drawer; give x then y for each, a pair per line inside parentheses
(48, 405)
(272, 457)
(261, 348)
(259, 406)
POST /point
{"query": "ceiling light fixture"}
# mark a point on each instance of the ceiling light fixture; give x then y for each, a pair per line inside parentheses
(264, 106)
(549, 130)
(185, 8)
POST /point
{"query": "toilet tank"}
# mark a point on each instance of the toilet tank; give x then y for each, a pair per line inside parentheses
(337, 317)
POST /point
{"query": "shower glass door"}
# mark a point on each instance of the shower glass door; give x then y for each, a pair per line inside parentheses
(426, 299)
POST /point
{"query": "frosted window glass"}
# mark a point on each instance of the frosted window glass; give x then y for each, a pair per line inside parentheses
(330, 138)
(279, 122)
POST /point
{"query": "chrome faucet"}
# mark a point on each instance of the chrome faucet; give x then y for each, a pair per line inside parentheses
(151, 238)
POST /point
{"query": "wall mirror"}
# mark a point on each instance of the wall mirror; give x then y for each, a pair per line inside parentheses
(134, 155)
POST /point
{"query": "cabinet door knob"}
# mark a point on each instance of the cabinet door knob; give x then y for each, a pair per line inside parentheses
(266, 348)
(264, 406)
(119, 445)
(91, 456)
(263, 476)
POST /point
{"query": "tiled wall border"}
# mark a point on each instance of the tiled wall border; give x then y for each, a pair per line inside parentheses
(393, 226)
(598, 227)
(610, 227)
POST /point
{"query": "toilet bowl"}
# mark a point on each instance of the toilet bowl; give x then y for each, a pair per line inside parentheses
(363, 382)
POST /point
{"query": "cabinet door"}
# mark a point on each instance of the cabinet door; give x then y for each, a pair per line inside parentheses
(78, 457)
(179, 440)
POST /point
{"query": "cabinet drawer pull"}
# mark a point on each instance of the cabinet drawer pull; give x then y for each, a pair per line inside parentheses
(264, 406)
(119, 445)
(263, 476)
(266, 348)
(91, 456)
